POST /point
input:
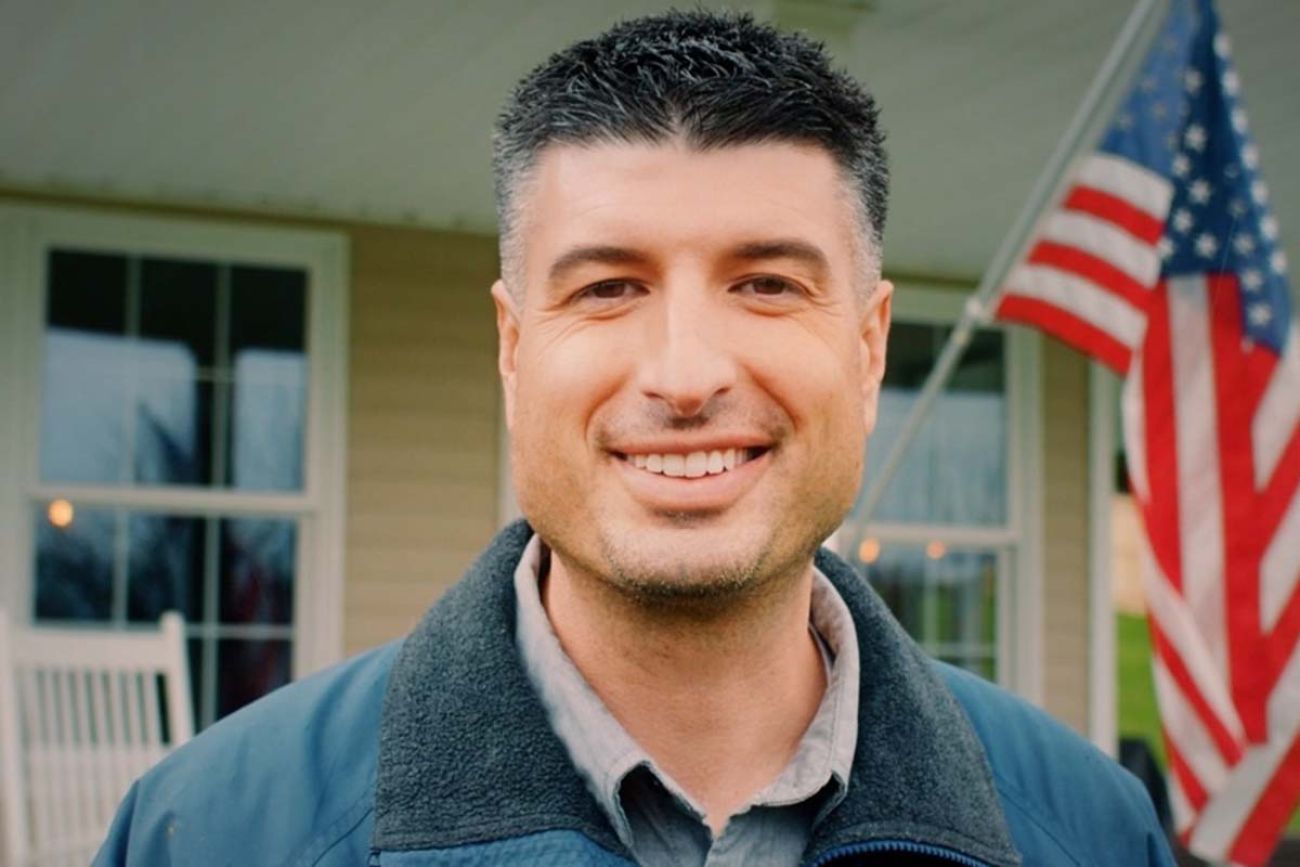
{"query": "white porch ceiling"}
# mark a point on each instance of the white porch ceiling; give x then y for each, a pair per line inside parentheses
(381, 111)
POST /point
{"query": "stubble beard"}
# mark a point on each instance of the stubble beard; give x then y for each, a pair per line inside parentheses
(673, 581)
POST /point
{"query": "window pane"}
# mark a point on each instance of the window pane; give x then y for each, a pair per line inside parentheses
(173, 431)
(165, 571)
(258, 559)
(86, 394)
(87, 292)
(267, 422)
(268, 309)
(956, 470)
(178, 308)
(268, 323)
(945, 599)
(248, 670)
(197, 649)
(74, 562)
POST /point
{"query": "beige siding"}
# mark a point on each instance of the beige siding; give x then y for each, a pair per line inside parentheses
(1065, 534)
(423, 423)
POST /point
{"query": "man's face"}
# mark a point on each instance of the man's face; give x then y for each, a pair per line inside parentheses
(692, 362)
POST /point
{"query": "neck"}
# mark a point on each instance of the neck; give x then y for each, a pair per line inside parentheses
(719, 696)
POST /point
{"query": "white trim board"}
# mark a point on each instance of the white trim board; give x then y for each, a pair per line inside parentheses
(1103, 403)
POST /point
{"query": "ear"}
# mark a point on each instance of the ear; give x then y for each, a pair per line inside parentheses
(507, 345)
(874, 333)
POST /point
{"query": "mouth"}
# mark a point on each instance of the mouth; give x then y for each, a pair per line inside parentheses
(693, 465)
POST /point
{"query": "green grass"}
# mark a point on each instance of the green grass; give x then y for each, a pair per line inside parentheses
(1136, 713)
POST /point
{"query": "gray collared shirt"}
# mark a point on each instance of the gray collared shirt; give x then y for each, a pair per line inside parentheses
(653, 816)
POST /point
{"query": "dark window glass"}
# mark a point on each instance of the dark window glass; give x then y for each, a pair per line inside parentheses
(955, 471)
(87, 369)
(258, 559)
(87, 394)
(248, 670)
(268, 406)
(268, 309)
(178, 309)
(165, 571)
(74, 562)
(87, 292)
(173, 431)
(945, 599)
(199, 687)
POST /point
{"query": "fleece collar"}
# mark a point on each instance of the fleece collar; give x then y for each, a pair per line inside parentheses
(466, 754)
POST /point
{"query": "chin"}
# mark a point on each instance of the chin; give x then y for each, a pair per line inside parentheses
(686, 562)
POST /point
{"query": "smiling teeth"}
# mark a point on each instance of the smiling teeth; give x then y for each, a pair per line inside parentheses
(693, 465)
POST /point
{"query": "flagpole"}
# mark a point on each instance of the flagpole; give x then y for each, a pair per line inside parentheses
(1093, 112)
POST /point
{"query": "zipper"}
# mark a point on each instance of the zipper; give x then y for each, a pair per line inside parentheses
(883, 846)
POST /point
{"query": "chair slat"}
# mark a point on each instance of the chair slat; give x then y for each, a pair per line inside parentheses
(86, 720)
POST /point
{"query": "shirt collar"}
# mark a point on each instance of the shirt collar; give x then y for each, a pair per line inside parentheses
(604, 753)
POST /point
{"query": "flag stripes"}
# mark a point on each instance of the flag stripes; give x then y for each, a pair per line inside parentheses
(1160, 260)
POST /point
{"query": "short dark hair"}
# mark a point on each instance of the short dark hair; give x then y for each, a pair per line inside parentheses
(715, 79)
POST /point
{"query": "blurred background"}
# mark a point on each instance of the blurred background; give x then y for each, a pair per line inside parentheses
(247, 355)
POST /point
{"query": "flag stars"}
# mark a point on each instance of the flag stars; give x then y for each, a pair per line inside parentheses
(1252, 279)
(1192, 80)
(1250, 156)
(1165, 247)
(1206, 245)
(1200, 191)
(1222, 45)
(1158, 111)
(1260, 314)
(1124, 121)
(1182, 165)
(1259, 192)
(1231, 83)
(1148, 84)
(1243, 243)
(1237, 208)
(1239, 122)
(1183, 221)
(1268, 227)
(1195, 137)
(1277, 262)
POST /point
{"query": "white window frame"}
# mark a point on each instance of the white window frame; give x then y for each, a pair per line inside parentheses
(1018, 543)
(1103, 415)
(27, 233)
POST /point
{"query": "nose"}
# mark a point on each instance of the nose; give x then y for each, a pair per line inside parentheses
(686, 361)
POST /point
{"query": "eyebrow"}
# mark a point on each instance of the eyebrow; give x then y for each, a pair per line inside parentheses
(594, 255)
(784, 248)
(754, 251)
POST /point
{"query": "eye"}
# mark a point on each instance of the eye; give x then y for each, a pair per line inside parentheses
(768, 286)
(609, 290)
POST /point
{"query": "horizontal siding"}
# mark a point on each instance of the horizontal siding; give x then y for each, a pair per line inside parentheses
(423, 423)
(1065, 534)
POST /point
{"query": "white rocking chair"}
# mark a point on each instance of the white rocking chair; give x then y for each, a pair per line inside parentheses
(82, 714)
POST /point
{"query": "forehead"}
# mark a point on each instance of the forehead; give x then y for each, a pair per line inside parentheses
(669, 198)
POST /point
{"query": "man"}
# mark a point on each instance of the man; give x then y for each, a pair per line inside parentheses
(660, 667)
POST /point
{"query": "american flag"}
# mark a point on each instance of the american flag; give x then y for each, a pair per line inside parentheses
(1162, 260)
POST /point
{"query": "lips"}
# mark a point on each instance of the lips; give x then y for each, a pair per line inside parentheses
(691, 480)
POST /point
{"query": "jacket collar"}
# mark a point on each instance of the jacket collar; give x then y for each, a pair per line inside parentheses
(466, 754)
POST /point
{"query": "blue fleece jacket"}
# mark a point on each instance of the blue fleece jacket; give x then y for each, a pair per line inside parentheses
(436, 751)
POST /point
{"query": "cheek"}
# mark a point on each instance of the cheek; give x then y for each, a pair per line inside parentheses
(562, 381)
(815, 380)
